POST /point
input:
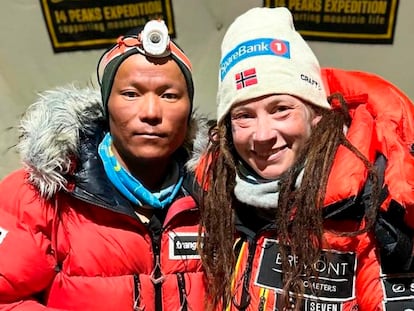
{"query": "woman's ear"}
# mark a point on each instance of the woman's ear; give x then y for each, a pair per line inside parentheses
(316, 119)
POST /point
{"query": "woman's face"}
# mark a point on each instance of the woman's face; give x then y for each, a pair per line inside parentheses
(269, 132)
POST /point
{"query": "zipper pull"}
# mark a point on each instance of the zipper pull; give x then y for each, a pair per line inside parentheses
(262, 299)
(261, 304)
(183, 294)
(137, 294)
(156, 274)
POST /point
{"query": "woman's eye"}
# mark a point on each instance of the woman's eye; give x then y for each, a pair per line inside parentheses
(240, 115)
(280, 109)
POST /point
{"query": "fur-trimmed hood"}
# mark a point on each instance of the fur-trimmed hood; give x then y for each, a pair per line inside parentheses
(51, 131)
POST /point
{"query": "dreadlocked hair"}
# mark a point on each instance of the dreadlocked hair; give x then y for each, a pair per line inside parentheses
(217, 218)
(299, 219)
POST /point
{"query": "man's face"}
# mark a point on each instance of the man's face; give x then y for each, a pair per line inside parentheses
(148, 111)
(269, 132)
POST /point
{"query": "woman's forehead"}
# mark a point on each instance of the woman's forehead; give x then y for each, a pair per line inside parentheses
(271, 98)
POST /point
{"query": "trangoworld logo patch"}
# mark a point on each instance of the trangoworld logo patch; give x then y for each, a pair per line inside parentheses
(335, 283)
(183, 246)
(3, 233)
(251, 48)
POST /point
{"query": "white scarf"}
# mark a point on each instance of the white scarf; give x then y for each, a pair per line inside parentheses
(255, 191)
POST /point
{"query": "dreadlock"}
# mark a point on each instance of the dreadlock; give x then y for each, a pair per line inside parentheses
(294, 223)
(217, 214)
(299, 212)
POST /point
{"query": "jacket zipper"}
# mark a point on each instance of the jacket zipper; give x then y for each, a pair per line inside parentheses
(245, 297)
(262, 300)
(137, 294)
(183, 294)
(156, 276)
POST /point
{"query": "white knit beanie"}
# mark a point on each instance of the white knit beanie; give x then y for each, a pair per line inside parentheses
(263, 54)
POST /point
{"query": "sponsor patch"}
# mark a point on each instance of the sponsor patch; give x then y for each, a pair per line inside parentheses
(400, 305)
(398, 292)
(3, 233)
(246, 78)
(315, 305)
(183, 246)
(251, 48)
(335, 283)
(310, 305)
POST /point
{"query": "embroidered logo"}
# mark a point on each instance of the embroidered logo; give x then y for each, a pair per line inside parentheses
(246, 78)
(183, 246)
(251, 48)
(311, 81)
(3, 233)
(335, 282)
(399, 291)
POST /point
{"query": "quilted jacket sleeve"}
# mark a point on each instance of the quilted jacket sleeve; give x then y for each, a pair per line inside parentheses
(27, 264)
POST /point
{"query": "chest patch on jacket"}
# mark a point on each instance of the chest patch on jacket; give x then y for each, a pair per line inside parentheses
(336, 280)
(398, 292)
(183, 245)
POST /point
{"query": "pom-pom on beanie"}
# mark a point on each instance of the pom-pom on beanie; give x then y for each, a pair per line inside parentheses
(130, 44)
(263, 54)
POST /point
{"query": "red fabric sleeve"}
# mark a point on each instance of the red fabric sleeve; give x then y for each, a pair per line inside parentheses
(27, 263)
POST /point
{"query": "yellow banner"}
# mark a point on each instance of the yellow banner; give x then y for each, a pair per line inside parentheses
(358, 21)
(92, 24)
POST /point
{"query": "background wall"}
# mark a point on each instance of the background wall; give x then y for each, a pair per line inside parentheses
(28, 64)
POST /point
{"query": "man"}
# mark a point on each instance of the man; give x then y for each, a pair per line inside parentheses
(103, 216)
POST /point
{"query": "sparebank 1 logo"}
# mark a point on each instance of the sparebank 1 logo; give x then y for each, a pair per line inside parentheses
(280, 47)
(253, 48)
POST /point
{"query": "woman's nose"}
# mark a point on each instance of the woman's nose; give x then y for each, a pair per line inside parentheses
(263, 131)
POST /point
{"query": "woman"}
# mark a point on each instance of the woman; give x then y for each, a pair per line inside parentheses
(291, 177)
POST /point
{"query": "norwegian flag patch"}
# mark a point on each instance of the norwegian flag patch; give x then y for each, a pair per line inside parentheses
(246, 78)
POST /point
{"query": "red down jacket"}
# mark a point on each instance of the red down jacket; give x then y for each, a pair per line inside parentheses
(351, 271)
(84, 248)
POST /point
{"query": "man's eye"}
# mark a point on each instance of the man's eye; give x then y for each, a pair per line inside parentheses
(130, 94)
(169, 96)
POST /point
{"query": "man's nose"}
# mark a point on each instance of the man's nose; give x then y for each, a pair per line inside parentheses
(151, 109)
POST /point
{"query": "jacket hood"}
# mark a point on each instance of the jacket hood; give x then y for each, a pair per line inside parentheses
(50, 131)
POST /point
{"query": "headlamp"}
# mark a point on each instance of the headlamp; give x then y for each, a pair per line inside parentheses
(152, 41)
(155, 38)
